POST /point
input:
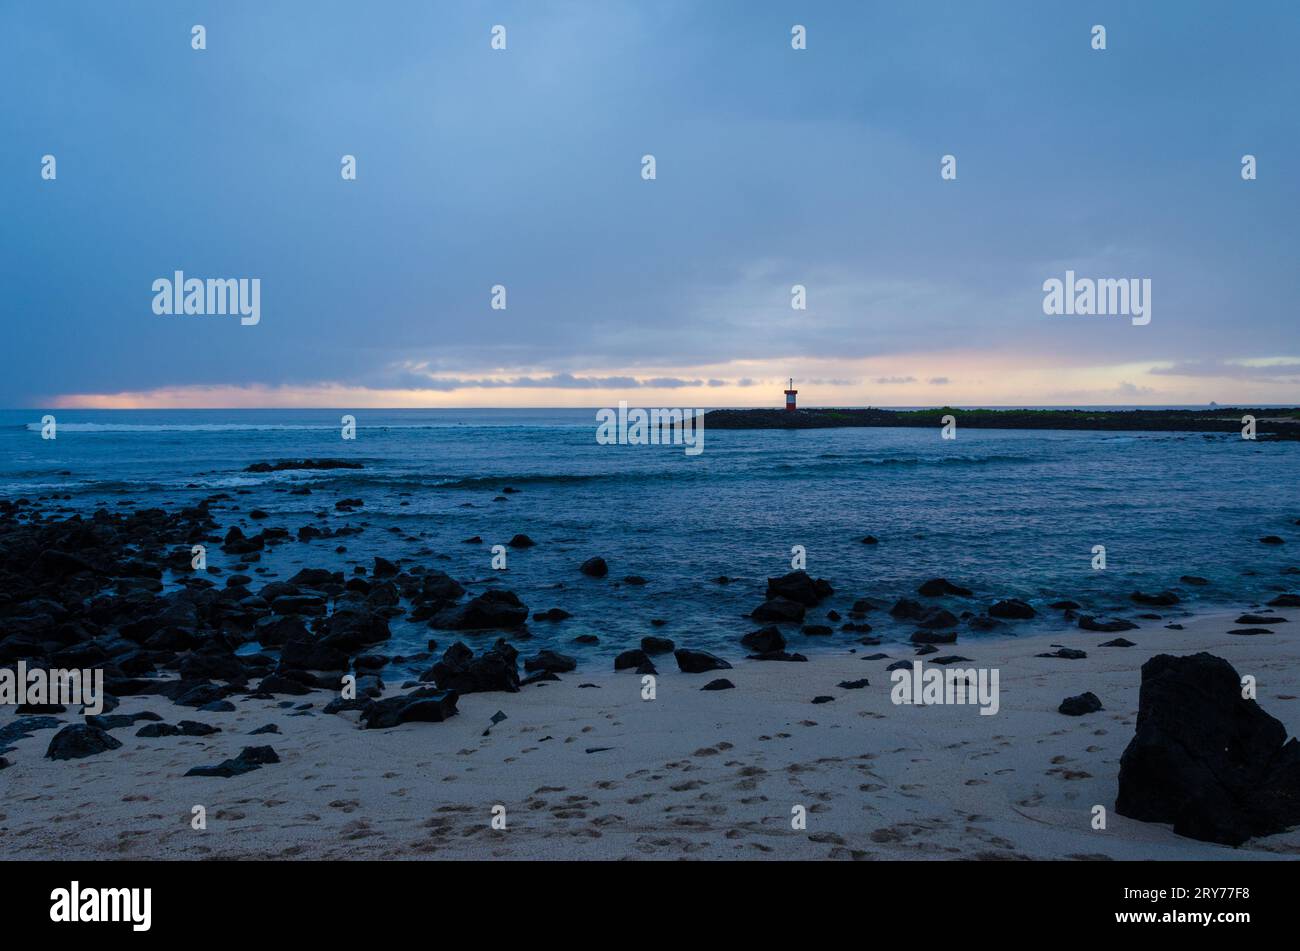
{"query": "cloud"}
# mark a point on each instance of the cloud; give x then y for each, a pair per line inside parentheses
(891, 380)
(1272, 369)
(1124, 388)
(554, 381)
(938, 381)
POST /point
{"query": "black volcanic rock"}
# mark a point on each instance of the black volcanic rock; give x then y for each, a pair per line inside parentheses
(698, 662)
(722, 683)
(460, 671)
(1205, 759)
(286, 464)
(183, 728)
(937, 618)
(419, 706)
(631, 659)
(1012, 609)
(1162, 600)
(594, 567)
(1089, 623)
(491, 610)
(1119, 642)
(81, 740)
(938, 587)
(1087, 702)
(657, 645)
(521, 541)
(780, 610)
(1285, 601)
(799, 586)
(551, 662)
(764, 639)
(249, 759)
(279, 684)
(905, 609)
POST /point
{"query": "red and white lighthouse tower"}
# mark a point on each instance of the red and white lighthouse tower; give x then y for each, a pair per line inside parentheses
(790, 394)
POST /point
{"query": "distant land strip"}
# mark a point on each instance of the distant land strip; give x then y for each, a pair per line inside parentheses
(1269, 423)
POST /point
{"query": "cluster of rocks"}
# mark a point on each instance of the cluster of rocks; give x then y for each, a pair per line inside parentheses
(88, 592)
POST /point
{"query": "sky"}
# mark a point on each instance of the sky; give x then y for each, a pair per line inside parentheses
(522, 167)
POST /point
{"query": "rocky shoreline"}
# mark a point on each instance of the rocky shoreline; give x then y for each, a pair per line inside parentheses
(1271, 424)
(118, 592)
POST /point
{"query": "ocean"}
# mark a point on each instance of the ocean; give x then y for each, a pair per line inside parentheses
(1005, 513)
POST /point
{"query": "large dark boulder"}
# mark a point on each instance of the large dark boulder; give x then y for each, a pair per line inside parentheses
(698, 662)
(765, 639)
(353, 626)
(420, 706)
(1163, 599)
(657, 645)
(905, 609)
(249, 759)
(780, 610)
(799, 586)
(459, 670)
(551, 662)
(1087, 702)
(938, 587)
(75, 742)
(631, 659)
(491, 610)
(1012, 609)
(594, 567)
(937, 618)
(1089, 623)
(237, 544)
(1205, 759)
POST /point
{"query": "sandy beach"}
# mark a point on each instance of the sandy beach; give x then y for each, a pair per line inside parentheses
(587, 769)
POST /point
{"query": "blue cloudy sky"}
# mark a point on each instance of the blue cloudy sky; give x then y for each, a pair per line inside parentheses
(522, 167)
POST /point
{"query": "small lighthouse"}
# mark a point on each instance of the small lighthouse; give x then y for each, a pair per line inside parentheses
(790, 394)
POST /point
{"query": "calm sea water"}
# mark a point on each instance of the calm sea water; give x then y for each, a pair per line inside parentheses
(1008, 514)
